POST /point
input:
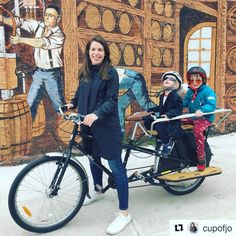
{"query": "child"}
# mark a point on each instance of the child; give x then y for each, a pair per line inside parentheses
(170, 105)
(199, 98)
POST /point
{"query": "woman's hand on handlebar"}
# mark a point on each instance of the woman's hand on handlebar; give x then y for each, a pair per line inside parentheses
(89, 119)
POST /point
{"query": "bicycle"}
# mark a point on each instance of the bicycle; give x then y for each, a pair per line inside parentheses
(49, 192)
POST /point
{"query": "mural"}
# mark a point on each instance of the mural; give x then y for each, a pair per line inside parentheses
(146, 39)
(134, 85)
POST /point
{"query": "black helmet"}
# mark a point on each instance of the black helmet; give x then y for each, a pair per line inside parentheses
(197, 70)
(174, 74)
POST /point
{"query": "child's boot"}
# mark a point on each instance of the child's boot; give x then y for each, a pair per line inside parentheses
(201, 165)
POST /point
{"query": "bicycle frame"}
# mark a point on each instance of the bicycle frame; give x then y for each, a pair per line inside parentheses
(58, 183)
(148, 176)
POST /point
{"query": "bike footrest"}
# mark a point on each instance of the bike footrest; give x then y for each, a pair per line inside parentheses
(177, 177)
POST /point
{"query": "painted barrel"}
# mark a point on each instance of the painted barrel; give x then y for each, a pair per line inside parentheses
(15, 129)
(231, 59)
(156, 56)
(159, 7)
(125, 23)
(168, 9)
(156, 30)
(140, 51)
(167, 57)
(138, 61)
(115, 53)
(231, 97)
(92, 17)
(129, 55)
(108, 20)
(167, 33)
(40, 119)
(64, 130)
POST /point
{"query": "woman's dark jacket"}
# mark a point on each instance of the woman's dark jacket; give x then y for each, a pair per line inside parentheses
(100, 97)
(172, 107)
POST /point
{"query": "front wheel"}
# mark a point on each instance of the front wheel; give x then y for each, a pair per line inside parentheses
(30, 203)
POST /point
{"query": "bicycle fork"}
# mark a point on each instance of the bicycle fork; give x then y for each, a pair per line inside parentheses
(62, 165)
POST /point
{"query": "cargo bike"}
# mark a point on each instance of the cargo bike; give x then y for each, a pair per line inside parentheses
(49, 192)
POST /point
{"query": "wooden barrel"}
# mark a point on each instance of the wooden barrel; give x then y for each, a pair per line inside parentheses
(64, 130)
(138, 61)
(167, 33)
(140, 51)
(168, 9)
(124, 23)
(231, 59)
(39, 122)
(156, 30)
(167, 57)
(133, 2)
(8, 79)
(15, 129)
(231, 18)
(156, 56)
(92, 17)
(159, 7)
(108, 20)
(129, 55)
(115, 54)
(231, 97)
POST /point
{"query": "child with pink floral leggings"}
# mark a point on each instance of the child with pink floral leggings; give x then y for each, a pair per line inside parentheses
(200, 125)
(199, 99)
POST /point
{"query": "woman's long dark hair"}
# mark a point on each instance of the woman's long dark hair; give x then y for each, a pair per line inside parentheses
(84, 72)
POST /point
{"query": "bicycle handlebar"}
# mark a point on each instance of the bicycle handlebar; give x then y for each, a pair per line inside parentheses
(75, 117)
(218, 110)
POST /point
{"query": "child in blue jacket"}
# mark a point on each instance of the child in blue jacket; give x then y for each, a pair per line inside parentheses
(199, 99)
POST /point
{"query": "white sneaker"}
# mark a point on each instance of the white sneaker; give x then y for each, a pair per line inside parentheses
(95, 196)
(118, 223)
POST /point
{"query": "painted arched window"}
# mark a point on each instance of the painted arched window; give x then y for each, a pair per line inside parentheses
(200, 49)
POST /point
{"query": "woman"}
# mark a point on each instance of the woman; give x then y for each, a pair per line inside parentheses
(97, 99)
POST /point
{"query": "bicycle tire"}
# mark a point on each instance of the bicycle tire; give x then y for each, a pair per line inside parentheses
(187, 186)
(29, 203)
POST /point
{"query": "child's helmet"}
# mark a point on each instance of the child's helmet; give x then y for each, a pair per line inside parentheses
(197, 70)
(174, 74)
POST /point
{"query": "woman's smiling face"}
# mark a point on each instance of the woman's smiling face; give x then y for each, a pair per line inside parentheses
(96, 53)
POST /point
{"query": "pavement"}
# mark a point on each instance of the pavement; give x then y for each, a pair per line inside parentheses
(151, 207)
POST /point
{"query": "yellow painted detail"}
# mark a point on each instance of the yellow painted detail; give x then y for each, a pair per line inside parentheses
(27, 211)
(165, 172)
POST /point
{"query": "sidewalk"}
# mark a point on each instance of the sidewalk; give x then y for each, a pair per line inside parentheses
(151, 207)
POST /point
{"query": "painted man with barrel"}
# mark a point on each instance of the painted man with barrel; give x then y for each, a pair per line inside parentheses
(48, 43)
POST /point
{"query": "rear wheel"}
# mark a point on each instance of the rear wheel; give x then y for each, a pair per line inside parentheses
(30, 203)
(183, 187)
(187, 186)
